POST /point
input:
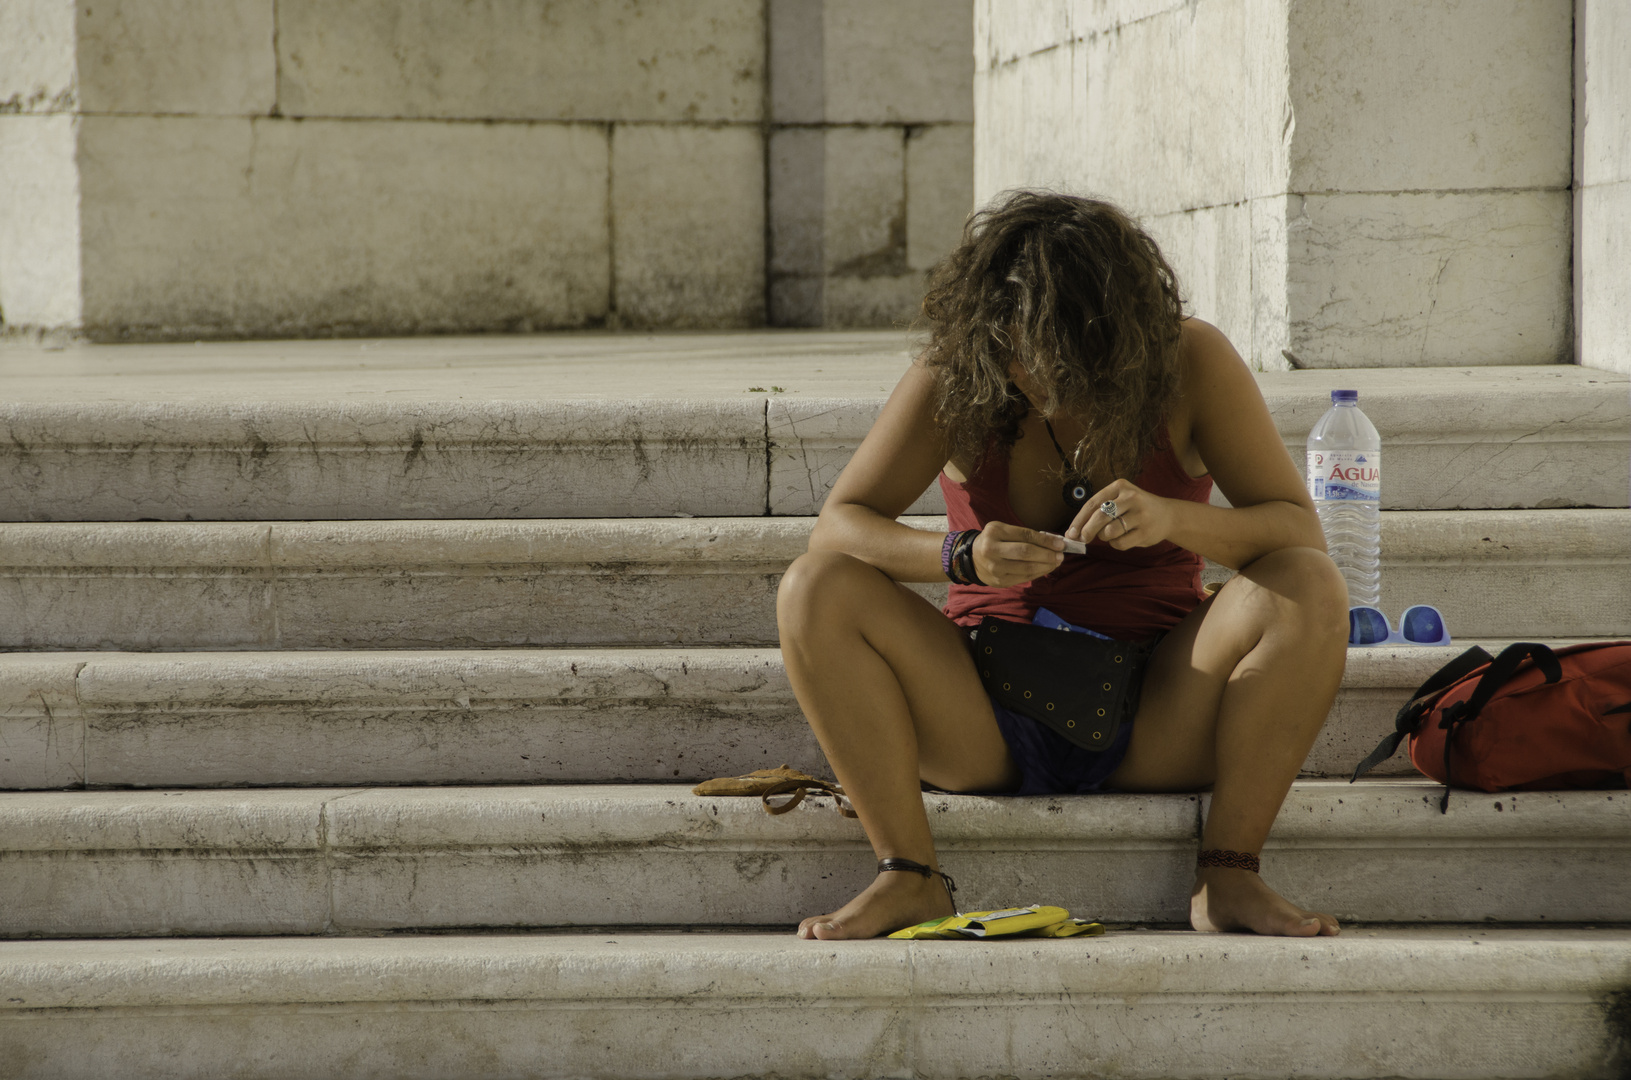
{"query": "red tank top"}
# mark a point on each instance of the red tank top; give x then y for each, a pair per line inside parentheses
(1129, 595)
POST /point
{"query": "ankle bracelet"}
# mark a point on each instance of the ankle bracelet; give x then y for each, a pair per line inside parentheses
(1231, 860)
(886, 865)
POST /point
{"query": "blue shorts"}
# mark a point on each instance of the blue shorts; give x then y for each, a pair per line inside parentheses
(1050, 764)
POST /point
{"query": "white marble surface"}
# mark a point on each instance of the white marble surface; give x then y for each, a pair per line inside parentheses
(1504, 1002)
(190, 862)
(699, 62)
(585, 425)
(483, 716)
(463, 584)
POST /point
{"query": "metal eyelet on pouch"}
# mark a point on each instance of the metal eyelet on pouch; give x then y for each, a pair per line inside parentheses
(1097, 735)
(1007, 686)
(1070, 723)
(986, 674)
(1101, 712)
(1107, 686)
(1027, 693)
(1118, 659)
(988, 650)
(1050, 706)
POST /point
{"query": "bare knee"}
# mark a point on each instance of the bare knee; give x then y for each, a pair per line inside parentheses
(1301, 591)
(820, 589)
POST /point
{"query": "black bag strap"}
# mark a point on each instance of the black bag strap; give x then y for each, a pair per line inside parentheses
(1409, 717)
(1502, 668)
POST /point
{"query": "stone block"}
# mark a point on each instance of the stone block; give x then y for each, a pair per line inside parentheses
(1396, 95)
(1511, 856)
(519, 717)
(39, 222)
(1271, 302)
(798, 173)
(1504, 1002)
(211, 57)
(864, 234)
(42, 730)
(484, 584)
(1604, 250)
(798, 87)
(1512, 575)
(1435, 279)
(892, 300)
(409, 858)
(1168, 102)
(1055, 125)
(939, 191)
(215, 226)
(1006, 32)
(1604, 111)
(811, 440)
(37, 64)
(82, 591)
(904, 62)
(688, 206)
(698, 61)
(1210, 251)
(120, 863)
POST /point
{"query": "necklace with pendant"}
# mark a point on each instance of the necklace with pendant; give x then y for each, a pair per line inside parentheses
(1075, 490)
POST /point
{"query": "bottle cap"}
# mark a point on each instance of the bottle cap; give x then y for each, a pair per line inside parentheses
(1344, 395)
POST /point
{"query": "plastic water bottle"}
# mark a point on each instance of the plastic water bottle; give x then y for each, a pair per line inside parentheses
(1345, 479)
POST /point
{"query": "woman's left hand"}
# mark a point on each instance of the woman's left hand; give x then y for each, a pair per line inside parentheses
(1141, 519)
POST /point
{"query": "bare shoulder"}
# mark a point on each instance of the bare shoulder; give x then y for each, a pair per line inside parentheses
(1206, 357)
(902, 453)
(1228, 425)
(1213, 382)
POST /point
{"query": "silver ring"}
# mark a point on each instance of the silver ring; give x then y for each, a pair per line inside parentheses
(1108, 509)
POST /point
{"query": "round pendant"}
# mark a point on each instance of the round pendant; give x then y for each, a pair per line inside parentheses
(1076, 494)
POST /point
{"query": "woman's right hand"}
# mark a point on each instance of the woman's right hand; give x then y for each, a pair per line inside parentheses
(1007, 554)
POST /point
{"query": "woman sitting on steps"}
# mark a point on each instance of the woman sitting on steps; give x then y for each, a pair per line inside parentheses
(1059, 359)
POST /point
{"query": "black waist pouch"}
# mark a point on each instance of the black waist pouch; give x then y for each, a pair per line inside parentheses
(1083, 687)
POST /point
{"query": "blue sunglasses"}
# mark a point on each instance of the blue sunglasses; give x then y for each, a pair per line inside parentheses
(1419, 625)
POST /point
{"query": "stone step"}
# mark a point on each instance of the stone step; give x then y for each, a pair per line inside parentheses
(487, 584)
(327, 860)
(597, 425)
(1160, 1005)
(509, 716)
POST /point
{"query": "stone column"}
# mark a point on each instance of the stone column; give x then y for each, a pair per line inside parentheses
(870, 154)
(1603, 184)
(1360, 183)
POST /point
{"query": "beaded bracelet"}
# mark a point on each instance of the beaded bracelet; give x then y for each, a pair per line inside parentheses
(962, 559)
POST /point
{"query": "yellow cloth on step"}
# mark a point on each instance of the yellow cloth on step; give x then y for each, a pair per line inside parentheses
(1037, 920)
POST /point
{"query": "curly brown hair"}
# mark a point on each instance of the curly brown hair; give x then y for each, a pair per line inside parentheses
(1082, 298)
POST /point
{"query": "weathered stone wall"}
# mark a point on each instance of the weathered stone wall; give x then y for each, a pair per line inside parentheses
(1360, 182)
(175, 168)
(871, 154)
(1603, 184)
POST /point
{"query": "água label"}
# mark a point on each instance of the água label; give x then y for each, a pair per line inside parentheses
(1345, 475)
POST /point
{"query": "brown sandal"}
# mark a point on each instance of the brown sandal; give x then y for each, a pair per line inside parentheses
(779, 790)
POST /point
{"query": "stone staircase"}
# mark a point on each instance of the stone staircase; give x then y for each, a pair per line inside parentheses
(370, 754)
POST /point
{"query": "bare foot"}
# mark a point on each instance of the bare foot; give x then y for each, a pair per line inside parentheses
(1226, 899)
(894, 900)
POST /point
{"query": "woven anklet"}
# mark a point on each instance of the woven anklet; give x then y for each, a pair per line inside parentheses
(885, 865)
(1230, 860)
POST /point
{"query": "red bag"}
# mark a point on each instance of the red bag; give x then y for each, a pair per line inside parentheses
(1530, 719)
